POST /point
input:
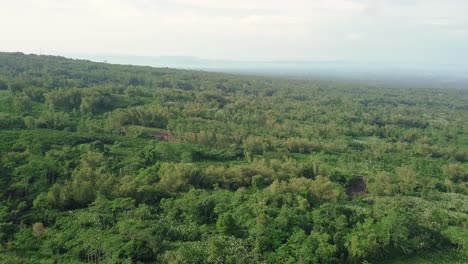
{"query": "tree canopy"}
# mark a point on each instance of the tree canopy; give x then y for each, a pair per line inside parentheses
(104, 163)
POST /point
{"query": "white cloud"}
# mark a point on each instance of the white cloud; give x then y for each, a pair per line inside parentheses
(354, 36)
(446, 22)
(278, 5)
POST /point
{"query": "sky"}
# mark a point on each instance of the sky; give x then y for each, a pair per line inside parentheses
(400, 31)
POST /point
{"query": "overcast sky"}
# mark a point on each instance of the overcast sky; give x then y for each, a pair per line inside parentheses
(413, 31)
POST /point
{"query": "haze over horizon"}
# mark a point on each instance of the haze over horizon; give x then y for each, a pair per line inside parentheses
(420, 32)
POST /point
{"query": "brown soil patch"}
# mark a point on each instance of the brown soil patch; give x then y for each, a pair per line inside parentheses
(163, 135)
(356, 186)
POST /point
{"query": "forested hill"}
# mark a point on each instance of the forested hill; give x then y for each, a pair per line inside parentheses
(105, 163)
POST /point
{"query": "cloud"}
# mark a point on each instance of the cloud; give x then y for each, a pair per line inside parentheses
(354, 36)
(276, 5)
(238, 29)
(446, 22)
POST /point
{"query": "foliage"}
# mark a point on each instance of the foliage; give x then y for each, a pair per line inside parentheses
(104, 163)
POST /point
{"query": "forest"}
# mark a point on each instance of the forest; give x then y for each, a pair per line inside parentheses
(103, 163)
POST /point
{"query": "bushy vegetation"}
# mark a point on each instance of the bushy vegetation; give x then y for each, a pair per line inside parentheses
(104, 163)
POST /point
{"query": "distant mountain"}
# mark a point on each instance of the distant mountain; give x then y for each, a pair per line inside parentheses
(421, 74)
(191, 62)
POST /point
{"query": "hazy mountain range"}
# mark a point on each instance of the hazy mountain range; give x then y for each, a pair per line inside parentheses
(421, 74)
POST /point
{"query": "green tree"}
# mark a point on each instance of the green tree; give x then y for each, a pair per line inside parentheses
(407, 179)
(3, 85)
(22, 104)
(380, 184)
(226, 225)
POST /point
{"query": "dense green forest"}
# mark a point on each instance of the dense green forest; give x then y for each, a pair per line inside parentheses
(105, 163)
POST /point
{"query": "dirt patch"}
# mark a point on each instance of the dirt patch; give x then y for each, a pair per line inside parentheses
(356, 186)
(163, 136)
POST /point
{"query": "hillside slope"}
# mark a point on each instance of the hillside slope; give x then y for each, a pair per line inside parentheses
(110, 163)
